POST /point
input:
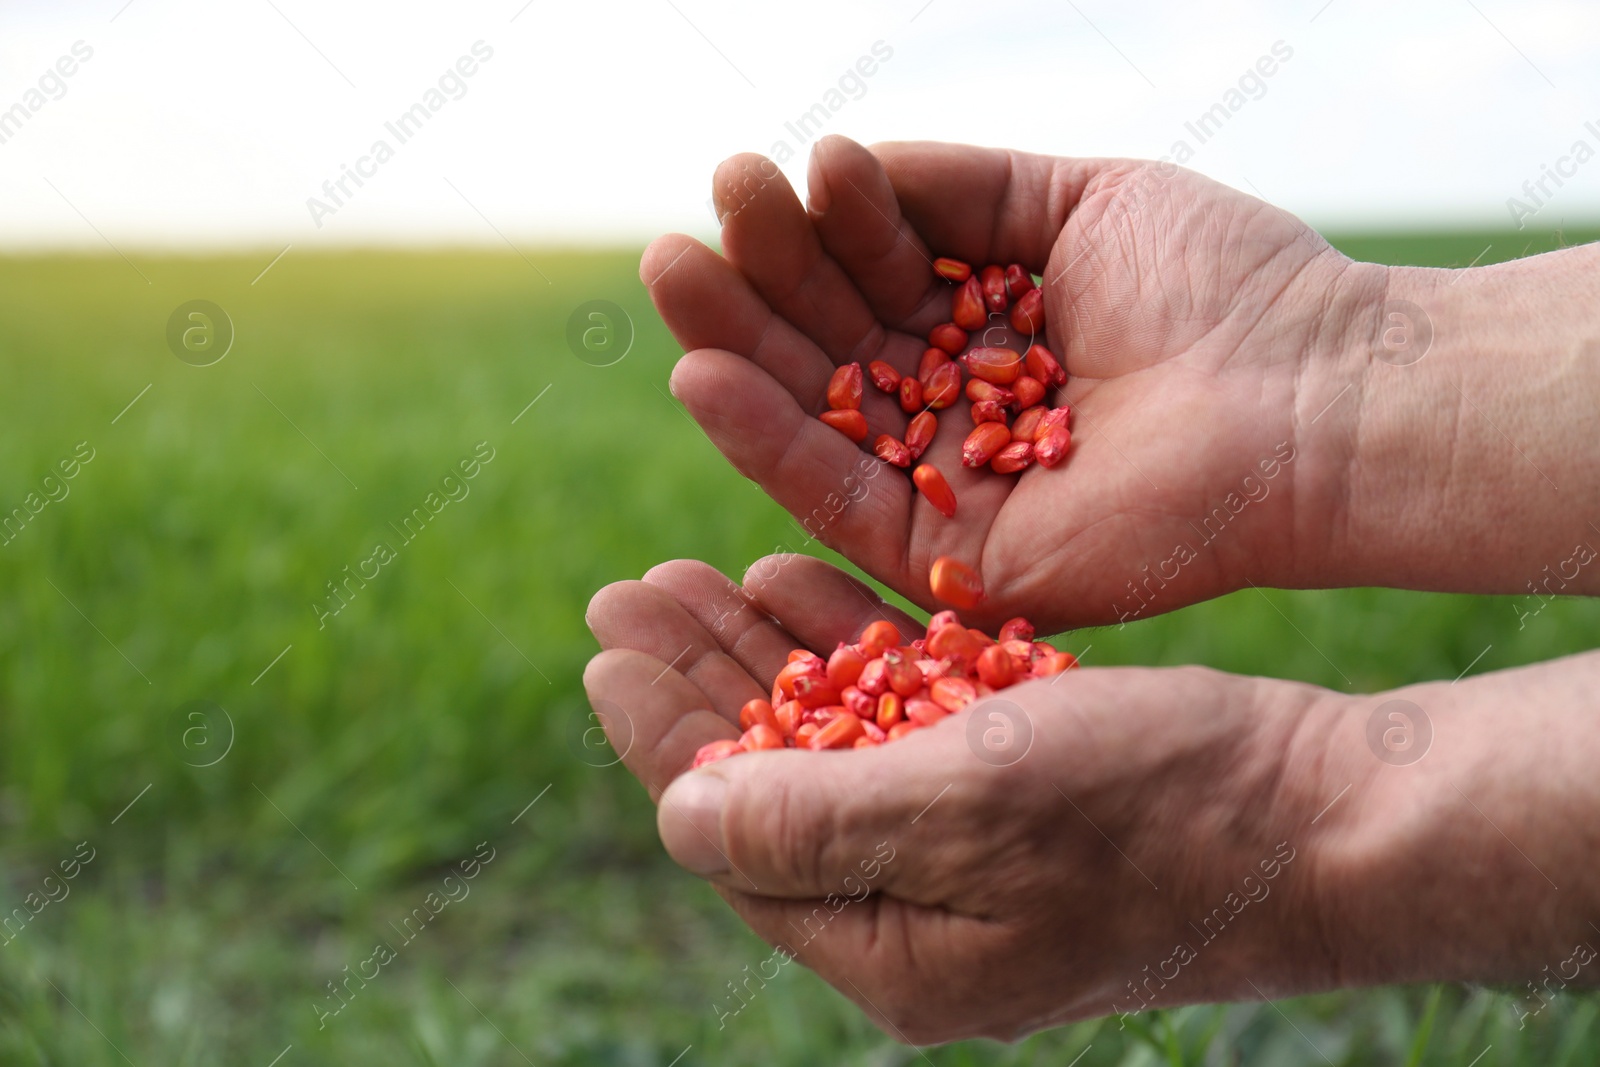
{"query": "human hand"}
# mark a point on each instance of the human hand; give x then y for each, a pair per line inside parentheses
(1012, 886)
(1197, 325)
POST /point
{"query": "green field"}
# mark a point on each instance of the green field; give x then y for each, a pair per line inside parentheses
(397, 738)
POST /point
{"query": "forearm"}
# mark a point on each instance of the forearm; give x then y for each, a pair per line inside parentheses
(1471, 459)
(1478, 860)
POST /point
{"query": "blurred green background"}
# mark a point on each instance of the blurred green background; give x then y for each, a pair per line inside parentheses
(352, 765)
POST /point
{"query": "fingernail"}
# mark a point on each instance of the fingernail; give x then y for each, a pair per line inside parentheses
(690, 822)
(817, 197)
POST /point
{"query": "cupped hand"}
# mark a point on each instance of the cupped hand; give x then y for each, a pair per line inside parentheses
(1033, 859)
(1203, 331)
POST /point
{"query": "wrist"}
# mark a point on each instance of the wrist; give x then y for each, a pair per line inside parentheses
(1465, 422)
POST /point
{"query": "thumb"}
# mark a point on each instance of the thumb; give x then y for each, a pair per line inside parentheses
(800, 824)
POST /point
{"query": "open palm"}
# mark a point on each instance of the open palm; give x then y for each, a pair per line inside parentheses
(1202, 330)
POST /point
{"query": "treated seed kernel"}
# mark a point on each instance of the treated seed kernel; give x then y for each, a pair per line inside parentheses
(874, 681)
(1052, 442)
(978, 389)
(1017, 629)
(1016, 456)
(967, 309)
(891, 451)
(885, 377)
(866, 741)
(710, 753)
(996, 668)
(943, 387)
(983, 442)
(803, 655)
(844, 388)
(849, 422)
(790, 716)
(757, 712)
(953, 641)
(932, 359)
(891, 709)
(1027, 424)
(904, 677)
(923, 712)
(879, 637)
(845, 666)
(952, 269)
(952, 694)
(998, 365)
(955, 583)
(919, 434)
(932, 485)
(874, 733)
(901, 729)
(812, 692)
(1043, 365)
(759, 737)
(988, 411)
(803, 736)
(857, 703)
(812, 668)
(1027, 317)
(840, 733)
(1054, 664)
(1029, 391)
(910, 395)
(992, 280)
(948, 337)
(1018, 281)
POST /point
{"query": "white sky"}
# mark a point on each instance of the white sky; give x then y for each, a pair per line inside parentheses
(204, 124)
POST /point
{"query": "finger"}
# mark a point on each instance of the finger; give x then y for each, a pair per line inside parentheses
(655, 718)
(819, 604)
(857, 216)
(841, 495)
(987, 205)
(794, 823)
(768, 237)
(706, 303)
(645, 618)
(747, 634)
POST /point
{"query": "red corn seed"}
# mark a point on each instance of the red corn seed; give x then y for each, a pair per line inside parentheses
(803, 736)
(874, 681)
(891, 450)
(953, 642)
(1016, 456)
(1043, 365)
(1027, 317)
(978, 389)
(814, 693)
(760, 737)
(910, 395)
(1001, 366)
(874, 733)
(901, 729)
(919, 434)
(757, 712)
(790, 716)
(812, 668)
(952, 269)
(953, 694)
(949, 338)
(983, 442)
(988, 411)
(904, 677)
(840, 733)
(967, 308)
(885, 377)
(933, 669)
(992, 280)
(879, 637)
(866, 741)
(932, 360)
(1027, 424)
(1055, 664)
(1053, 443)
(803, 655)
(923, 713)
(858, 703)
(844, 388)
(710, 753)
(996, 668)
(849, 422)
(845, 666)
(891, 709)
(931, 484)
(1029, 391)
(943, 618)
(953, 582)
(1018, 281)
(1017, 629)
(943, 387)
